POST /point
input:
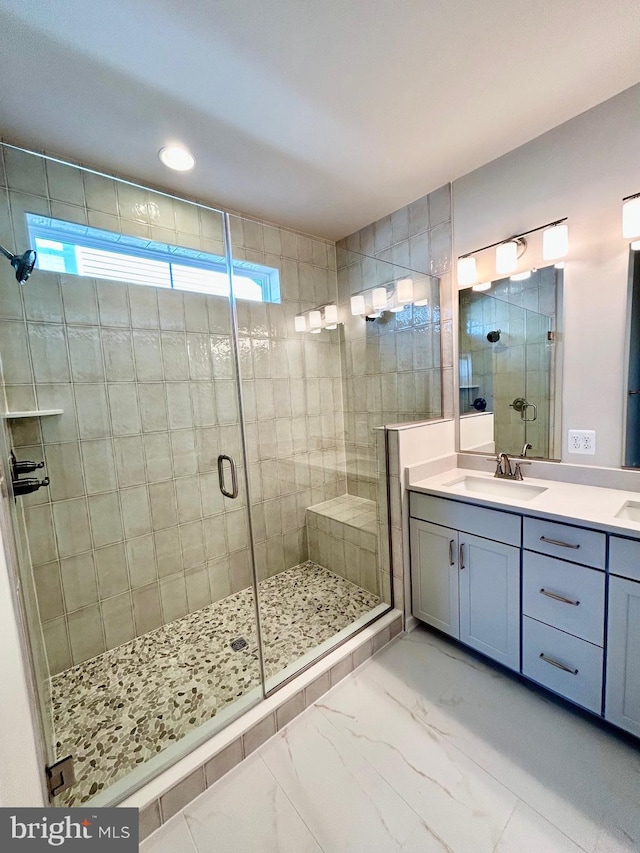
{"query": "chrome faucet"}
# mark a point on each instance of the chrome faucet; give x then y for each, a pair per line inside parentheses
(504, 466)
(526, 447)
(504, 469)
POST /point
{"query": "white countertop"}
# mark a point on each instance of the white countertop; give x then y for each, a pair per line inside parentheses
(590, 506)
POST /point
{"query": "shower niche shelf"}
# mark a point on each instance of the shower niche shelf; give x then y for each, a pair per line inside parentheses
(35, 413)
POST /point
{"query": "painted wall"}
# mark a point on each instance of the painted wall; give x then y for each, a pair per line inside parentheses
(581, 169)
(20, 777)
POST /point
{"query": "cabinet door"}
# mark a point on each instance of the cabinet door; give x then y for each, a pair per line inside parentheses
(434, 576)
(490, 598)
(622, 705)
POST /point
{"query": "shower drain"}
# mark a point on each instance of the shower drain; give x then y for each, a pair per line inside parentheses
(238, 644)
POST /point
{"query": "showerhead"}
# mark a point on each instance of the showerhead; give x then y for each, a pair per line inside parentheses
(22, 264)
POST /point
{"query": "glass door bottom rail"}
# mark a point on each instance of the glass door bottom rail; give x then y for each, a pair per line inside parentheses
(115, 711)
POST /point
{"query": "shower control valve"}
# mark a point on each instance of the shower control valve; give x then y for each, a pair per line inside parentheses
(25, 485)
(25, 467)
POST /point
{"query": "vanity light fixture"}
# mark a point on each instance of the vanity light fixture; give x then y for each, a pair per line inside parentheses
(555, 244)
(401, 296)
(315, 322)
(466, 271)
(521, 276)
(422, 291)
(393, 296)
(555, 241)
(507, 256)
(483, 285)
(635, 246)
(177, 157)
(358, 305)
(404, 292)
(379, 298)
(631, 216)
(331, 317)
(316, 319)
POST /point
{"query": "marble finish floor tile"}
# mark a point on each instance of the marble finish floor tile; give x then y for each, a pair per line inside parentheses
(345, 802)
(428, 748)
(118, 710)
(174, 837)
(261, 819)
(462, 803)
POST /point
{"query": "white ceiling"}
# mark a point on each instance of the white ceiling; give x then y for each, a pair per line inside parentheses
(319, 114)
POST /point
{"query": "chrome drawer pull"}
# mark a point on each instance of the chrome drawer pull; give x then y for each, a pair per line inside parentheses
(451, 544)
(558, 664)
(462, 565)
(557, 597)
(558, 542)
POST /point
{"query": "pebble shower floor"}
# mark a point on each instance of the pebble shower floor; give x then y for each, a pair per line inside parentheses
(116, 711)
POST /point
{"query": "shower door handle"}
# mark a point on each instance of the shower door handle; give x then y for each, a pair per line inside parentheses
(234, 476)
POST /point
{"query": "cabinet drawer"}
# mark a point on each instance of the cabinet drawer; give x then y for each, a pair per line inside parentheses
(564, 595)
(564, 541)
(488, 523)
(624, 558)
(581, 681)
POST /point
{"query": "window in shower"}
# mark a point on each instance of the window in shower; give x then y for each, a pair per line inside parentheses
(66, 247)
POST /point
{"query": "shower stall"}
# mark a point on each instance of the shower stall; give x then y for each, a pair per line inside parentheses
(212, 511)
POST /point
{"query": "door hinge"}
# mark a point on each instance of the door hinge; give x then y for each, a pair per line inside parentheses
(60, 776)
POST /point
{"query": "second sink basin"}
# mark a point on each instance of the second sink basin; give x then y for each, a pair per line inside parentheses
(492, 486)
(630, 510)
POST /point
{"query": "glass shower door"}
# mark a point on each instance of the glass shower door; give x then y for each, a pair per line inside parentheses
(119, 376)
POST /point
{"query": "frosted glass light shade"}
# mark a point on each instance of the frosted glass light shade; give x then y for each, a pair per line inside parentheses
(521, 276)
(379, 298)
(484, 285)
(404, 291)
(506, 257)
(631, 218)
(422, 292)
(315, 320)
(467, 273)
(635, 246)
(358, 305)
(555, 242)
(300, 322)
(331, 316)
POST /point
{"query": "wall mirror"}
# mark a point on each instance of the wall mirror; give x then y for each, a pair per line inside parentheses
(632, 419)
(509, 365)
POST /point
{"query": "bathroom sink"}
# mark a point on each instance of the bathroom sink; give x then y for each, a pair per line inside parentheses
(493, 487)
(630, 510)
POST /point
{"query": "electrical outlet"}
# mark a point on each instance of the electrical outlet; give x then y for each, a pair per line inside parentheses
(582, 441)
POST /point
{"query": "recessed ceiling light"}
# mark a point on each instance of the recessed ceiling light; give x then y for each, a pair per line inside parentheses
(176, 157)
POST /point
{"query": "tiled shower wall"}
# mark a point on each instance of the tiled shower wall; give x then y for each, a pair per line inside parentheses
(399, 368)
(133, 531)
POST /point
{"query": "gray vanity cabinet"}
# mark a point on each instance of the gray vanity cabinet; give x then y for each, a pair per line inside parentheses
(467, 585)
(467, 566)
(622, 701)
(434, 589)
(489, 574)
(563, 604)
